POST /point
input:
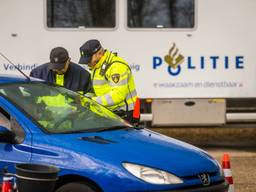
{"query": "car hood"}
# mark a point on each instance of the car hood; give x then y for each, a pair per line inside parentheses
(142, 147)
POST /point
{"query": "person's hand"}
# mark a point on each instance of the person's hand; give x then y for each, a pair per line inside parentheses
(90, 95)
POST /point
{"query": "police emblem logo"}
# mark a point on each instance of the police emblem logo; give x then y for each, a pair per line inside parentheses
(174, 58)
(205, 179)
(115, 78)
(56, 59)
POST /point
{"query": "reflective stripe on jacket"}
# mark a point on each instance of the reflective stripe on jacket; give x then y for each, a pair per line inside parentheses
(114, 88)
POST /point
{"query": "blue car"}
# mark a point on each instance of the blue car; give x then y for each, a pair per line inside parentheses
(95, 149)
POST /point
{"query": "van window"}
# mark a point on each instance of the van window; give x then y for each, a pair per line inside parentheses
(81, 13)
(161, 13)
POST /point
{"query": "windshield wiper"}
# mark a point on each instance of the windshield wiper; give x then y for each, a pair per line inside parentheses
(118, 127)
(76, 131)
(113, 128)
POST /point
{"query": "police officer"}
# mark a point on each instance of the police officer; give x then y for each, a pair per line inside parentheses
(61, 71)
(112, 79)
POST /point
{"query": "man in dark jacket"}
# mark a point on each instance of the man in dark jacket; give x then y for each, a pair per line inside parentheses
(61, 71)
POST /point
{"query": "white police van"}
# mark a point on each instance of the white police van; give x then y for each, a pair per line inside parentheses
(193, 60)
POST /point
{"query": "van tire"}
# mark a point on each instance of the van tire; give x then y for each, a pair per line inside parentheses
(76, 186)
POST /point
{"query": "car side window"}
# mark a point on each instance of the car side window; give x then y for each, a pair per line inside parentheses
(8, 121)
(17, 130)
(5, 119)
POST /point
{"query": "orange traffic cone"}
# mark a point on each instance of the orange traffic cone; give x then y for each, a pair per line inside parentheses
(7, 184)
(136, 113)
(136, 110)
(227, 172)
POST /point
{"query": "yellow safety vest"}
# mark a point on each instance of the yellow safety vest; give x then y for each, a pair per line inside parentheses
(59, 79)
(113, 83)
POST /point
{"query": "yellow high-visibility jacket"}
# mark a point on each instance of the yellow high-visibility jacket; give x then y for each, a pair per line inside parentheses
(59, 80)
(113, 83)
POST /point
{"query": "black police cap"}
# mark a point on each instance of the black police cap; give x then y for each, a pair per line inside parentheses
(88, 49)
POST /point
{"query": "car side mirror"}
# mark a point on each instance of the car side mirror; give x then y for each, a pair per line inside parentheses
(6, 136)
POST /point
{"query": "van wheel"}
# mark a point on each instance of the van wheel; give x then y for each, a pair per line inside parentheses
(76, 187)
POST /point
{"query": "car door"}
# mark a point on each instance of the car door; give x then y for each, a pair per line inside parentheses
(14, 120)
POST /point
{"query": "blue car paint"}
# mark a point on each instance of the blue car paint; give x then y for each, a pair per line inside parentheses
(102, 163)
(134, 146)
(11, 154)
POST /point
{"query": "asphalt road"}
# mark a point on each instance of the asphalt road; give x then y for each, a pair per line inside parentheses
(237, 141)
(243, 166)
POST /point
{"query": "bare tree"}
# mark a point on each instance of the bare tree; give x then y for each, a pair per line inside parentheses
(168, 13)
(75, 13)
(156, 12)
(103, 12)
(183, 13)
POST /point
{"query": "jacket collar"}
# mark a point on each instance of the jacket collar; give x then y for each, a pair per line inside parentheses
(102, 59)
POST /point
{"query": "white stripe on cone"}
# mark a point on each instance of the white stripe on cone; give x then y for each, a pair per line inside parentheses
(231, 188)
(227, 172)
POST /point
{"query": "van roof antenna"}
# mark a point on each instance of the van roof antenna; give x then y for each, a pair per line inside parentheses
(27, 77)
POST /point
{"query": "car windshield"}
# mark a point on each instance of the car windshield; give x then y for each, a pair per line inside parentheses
(59, 110)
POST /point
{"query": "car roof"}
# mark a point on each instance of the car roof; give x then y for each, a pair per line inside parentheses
(7, 78)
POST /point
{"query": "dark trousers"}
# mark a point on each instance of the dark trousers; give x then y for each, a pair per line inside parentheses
(128, 116)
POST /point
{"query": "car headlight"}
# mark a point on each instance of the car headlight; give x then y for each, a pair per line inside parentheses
(151, 175)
